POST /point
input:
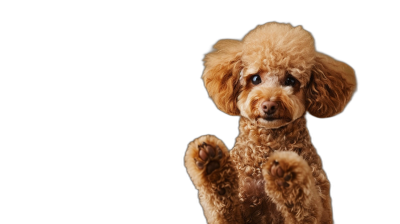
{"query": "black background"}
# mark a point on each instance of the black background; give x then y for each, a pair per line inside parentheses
(163, 106)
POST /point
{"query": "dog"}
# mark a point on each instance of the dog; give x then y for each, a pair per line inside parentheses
(273, 174)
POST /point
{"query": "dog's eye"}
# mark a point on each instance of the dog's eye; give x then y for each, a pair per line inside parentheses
(290, 81)
(256, 79)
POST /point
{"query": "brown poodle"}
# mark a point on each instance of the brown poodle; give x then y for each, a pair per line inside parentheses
(273, 174)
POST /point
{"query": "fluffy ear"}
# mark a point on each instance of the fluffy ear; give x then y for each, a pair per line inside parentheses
(221, 74)
(330, 88)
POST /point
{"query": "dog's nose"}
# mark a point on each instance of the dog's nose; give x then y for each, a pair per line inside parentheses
(269, 107)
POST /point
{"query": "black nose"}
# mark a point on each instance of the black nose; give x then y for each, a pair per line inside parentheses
(269, 107)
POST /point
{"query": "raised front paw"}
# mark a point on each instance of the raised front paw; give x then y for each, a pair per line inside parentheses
(208, 157)
(285, 171)
(205, 155)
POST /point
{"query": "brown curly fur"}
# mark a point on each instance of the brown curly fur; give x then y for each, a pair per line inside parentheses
(273, 174)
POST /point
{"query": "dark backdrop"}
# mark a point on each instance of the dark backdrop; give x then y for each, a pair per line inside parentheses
(166, 106)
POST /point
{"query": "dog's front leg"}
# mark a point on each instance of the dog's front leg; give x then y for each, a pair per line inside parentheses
(290, 184)
(209, 166)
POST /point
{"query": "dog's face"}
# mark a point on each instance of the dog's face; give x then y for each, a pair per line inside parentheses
(274, 75)
(271, 99)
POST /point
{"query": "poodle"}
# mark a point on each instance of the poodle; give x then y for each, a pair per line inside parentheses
(273, 174)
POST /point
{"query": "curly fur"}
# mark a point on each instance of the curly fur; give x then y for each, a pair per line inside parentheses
(221, 75)
(273, 174)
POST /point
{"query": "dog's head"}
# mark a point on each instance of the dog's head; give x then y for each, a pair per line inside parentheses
(274, 75)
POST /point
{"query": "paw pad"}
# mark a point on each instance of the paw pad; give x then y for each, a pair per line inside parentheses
(281, 177)
(208, 157)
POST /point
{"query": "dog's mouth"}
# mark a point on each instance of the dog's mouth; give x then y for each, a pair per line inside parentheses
(272, 122)
(271, 118)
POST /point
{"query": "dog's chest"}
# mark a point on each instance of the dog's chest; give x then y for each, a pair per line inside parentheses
(252, 149)
(255, 205)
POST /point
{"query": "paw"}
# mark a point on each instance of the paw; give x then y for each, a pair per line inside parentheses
(282, 177)
(285, 171)
(204, 157)
(208, 157)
